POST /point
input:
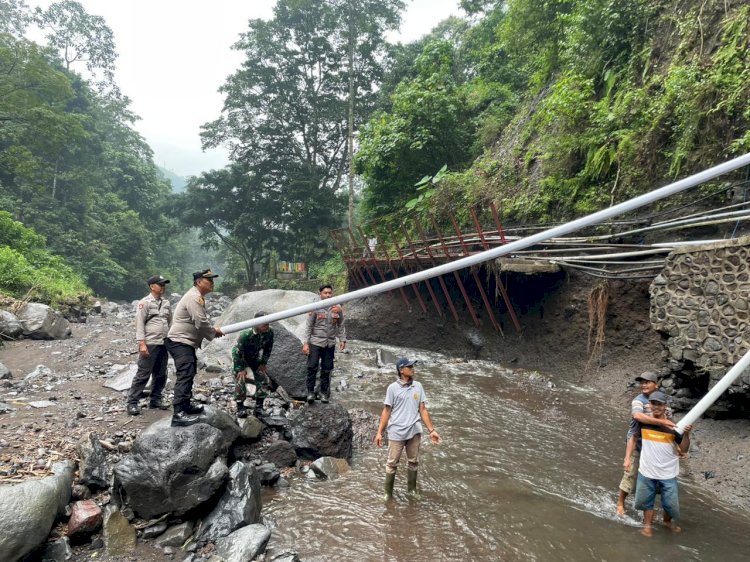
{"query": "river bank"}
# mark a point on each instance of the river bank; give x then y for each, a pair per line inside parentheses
(554, 340)
(552, 343)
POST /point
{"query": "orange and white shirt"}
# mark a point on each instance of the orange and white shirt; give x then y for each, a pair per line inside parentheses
(659, 459)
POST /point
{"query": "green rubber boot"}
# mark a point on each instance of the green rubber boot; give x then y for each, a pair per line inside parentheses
(411, 483)
(390, 479)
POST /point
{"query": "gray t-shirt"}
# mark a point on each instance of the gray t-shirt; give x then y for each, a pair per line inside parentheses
(404, 401)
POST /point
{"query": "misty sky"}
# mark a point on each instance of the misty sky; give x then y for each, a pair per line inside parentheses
(174, 55)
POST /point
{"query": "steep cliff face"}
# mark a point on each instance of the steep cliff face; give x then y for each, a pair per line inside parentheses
(649, 93)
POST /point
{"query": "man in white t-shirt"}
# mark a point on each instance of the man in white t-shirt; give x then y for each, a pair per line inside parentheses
(661, 450)
(404, 406)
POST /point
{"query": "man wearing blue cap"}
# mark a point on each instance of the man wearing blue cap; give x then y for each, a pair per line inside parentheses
(404, 406)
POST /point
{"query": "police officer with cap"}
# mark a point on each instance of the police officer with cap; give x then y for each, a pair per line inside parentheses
(153, 315)
(190, 327)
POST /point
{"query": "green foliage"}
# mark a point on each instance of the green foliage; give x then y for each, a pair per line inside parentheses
(573, 105)
(31, 271)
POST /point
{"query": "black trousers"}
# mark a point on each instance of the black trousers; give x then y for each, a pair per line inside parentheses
(185, 363)
(154, 365)
(322, 356)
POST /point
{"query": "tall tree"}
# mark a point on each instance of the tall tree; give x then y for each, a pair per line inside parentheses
(366, 22)
(79, 37)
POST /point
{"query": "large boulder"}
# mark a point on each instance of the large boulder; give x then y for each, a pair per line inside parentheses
(239, 506)
(10, 327)
(215, 417)
(323, 430)
(28, 510)
(40, 322)
(287, 364)
(174, 469)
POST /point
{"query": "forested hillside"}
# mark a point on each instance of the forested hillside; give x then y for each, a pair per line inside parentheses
(73, 171)
(550, 109)
(554, 109)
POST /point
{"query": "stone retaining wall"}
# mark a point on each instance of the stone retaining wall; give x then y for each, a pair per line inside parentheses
(700, 303)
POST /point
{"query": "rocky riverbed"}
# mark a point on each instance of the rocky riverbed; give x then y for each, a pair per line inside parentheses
(54, 398)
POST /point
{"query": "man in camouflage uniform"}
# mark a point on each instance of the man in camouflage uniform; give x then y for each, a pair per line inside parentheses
(190, 327)
(153, 315)
(252, 350)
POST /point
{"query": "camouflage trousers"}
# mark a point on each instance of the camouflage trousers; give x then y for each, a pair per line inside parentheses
(262, 386)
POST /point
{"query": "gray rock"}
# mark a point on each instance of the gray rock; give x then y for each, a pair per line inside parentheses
(215, 417)
(323, 430)
(58, 551)
(119, 534)
(28, 510)
(281, 453)
(6, 408)
(176, 536)
(173, 469)
(40, 322)
(10, 326)
(244, 544)
(120, 377)
(5, 372)
(239, 506)
(385, 358)
(268, 473)
(251, 427)
(93, 468)
(328, 468)
(154, 531)
(40, 371)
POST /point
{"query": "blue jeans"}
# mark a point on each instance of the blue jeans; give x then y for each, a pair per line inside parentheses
(646, 490)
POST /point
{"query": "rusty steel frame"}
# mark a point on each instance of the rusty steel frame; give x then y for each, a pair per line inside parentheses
(460, 283)
(474, 274)
(355, 275)
(384, 246)
(440, 277)
(403, 264)
(419, 262)
(498, 280)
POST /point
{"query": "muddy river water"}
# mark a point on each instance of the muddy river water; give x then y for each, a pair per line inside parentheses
(526, 471)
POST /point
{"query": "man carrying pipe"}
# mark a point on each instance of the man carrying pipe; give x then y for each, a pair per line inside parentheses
(659, 465)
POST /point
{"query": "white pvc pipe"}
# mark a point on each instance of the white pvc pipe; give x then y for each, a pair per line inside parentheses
(509, 248)
(713, 394)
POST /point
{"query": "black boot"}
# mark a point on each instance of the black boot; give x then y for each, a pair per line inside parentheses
(325, 386)
(193, 408)
(181, 418)
(258, 410)
(241, 410)
(134, 409)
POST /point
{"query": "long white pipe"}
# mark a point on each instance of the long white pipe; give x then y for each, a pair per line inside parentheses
(713, 394)
(509, 248)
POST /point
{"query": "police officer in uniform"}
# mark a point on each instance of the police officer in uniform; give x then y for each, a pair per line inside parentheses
(323, 327)
(252, 351)
(153, 315)
(190, 327)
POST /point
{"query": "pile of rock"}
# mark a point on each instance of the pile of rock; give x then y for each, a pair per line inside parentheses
(174, 488)
(35, 321)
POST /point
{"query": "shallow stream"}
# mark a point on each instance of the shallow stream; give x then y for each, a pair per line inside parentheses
(527, 471)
